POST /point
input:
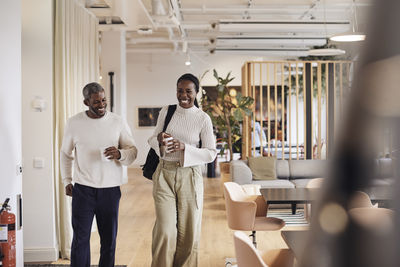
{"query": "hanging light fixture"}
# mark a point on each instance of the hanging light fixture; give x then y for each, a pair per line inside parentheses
(187, 61)
(352, 36)
(325, 51)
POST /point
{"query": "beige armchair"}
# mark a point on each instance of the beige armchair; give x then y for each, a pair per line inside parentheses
(313, 183)
(377, 219)
(248, 256)
(360, 199)
(241, 211)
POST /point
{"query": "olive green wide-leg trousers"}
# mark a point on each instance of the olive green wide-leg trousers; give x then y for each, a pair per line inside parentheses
(178, 199)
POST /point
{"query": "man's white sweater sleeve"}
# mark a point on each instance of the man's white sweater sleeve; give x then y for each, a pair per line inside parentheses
(194, 156)
(67, 156)
(127, 146)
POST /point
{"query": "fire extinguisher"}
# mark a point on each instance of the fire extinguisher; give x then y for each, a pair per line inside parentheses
(8, 248)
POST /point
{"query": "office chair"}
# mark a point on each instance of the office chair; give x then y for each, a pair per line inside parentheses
(248, 256)
(360, 199)
(241, 212)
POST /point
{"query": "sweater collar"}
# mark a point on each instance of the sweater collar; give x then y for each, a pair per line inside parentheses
(98, 119)
(182, 110)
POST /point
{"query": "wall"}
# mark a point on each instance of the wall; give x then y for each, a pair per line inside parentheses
(113, 59)
(151, 82)
(37, 131)
(10, 109)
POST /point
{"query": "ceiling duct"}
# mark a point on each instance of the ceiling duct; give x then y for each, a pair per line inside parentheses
(158, 14)
(276, 40)
(157, 8)
(286, 52)
(282, 26)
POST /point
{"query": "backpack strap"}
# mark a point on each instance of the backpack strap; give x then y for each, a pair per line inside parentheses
(171, 111)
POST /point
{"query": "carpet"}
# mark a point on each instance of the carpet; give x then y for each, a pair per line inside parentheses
(289, 218)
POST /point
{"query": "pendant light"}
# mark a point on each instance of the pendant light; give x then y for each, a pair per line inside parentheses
(326, 51)
(352, 36)
(188, 62)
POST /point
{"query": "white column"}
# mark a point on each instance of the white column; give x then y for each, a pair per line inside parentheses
(113, 59)
(40, 243)
(10, 111)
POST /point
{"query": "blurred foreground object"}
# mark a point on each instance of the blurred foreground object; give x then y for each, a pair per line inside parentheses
(363, 236)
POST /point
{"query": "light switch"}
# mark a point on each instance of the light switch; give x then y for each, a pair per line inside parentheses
(38, 162)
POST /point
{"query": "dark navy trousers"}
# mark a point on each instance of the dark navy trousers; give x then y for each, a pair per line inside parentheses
(87, 202)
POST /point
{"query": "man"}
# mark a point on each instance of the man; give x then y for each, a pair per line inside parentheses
(97, 143)
(259, 138)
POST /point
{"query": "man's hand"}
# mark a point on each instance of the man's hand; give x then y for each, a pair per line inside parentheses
(68, 190)
(112, 153)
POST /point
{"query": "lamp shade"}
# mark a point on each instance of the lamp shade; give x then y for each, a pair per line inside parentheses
(326, 52)
(348, 37)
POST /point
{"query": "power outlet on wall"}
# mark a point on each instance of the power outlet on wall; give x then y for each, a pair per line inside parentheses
(19, 169)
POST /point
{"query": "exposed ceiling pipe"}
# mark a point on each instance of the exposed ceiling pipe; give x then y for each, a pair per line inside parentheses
(176, 10)
(295, 9)
(147, 13)
(312, 6)
(158, 9)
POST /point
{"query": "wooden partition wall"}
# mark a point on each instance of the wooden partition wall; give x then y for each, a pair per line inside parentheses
(298, 106)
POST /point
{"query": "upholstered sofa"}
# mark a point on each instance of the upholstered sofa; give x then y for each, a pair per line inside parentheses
(297, 173)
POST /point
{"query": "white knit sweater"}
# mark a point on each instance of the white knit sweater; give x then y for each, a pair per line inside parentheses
(83, 139)
(188, 126)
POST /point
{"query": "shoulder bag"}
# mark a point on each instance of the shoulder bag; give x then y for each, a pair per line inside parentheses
(152, 159)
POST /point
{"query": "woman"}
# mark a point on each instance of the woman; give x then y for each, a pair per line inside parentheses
(178, 180)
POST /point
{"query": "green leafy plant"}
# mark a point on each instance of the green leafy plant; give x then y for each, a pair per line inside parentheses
(292, 70)
(227, 112)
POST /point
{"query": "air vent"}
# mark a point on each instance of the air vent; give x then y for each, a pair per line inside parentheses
(111, 20)
(145, 31)
(96, 4)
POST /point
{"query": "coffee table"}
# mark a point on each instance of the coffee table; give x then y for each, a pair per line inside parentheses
(294, 196)
(291, 196)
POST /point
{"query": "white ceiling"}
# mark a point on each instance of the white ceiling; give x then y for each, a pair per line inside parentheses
(260, 27)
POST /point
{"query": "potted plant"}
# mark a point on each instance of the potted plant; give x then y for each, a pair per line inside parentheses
(227, 111)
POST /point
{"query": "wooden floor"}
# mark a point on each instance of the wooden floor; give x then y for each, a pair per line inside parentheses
(136, 219)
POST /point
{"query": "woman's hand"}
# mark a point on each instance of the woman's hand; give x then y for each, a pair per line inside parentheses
(177, 145)
(161, 138)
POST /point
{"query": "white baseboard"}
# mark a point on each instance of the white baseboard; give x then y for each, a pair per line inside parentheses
(40, 254)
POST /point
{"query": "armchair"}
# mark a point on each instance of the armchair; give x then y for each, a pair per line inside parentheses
(241, 211)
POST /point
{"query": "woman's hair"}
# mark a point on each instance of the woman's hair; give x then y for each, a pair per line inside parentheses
(194, 80)
(91, 88)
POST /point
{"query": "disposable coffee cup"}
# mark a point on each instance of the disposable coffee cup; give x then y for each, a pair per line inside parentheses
(168, 140)
(103, 157)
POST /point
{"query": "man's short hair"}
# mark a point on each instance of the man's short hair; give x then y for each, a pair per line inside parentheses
(91, 88)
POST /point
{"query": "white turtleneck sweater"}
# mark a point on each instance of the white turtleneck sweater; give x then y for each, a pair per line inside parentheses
(188, 126)
(83, 143)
